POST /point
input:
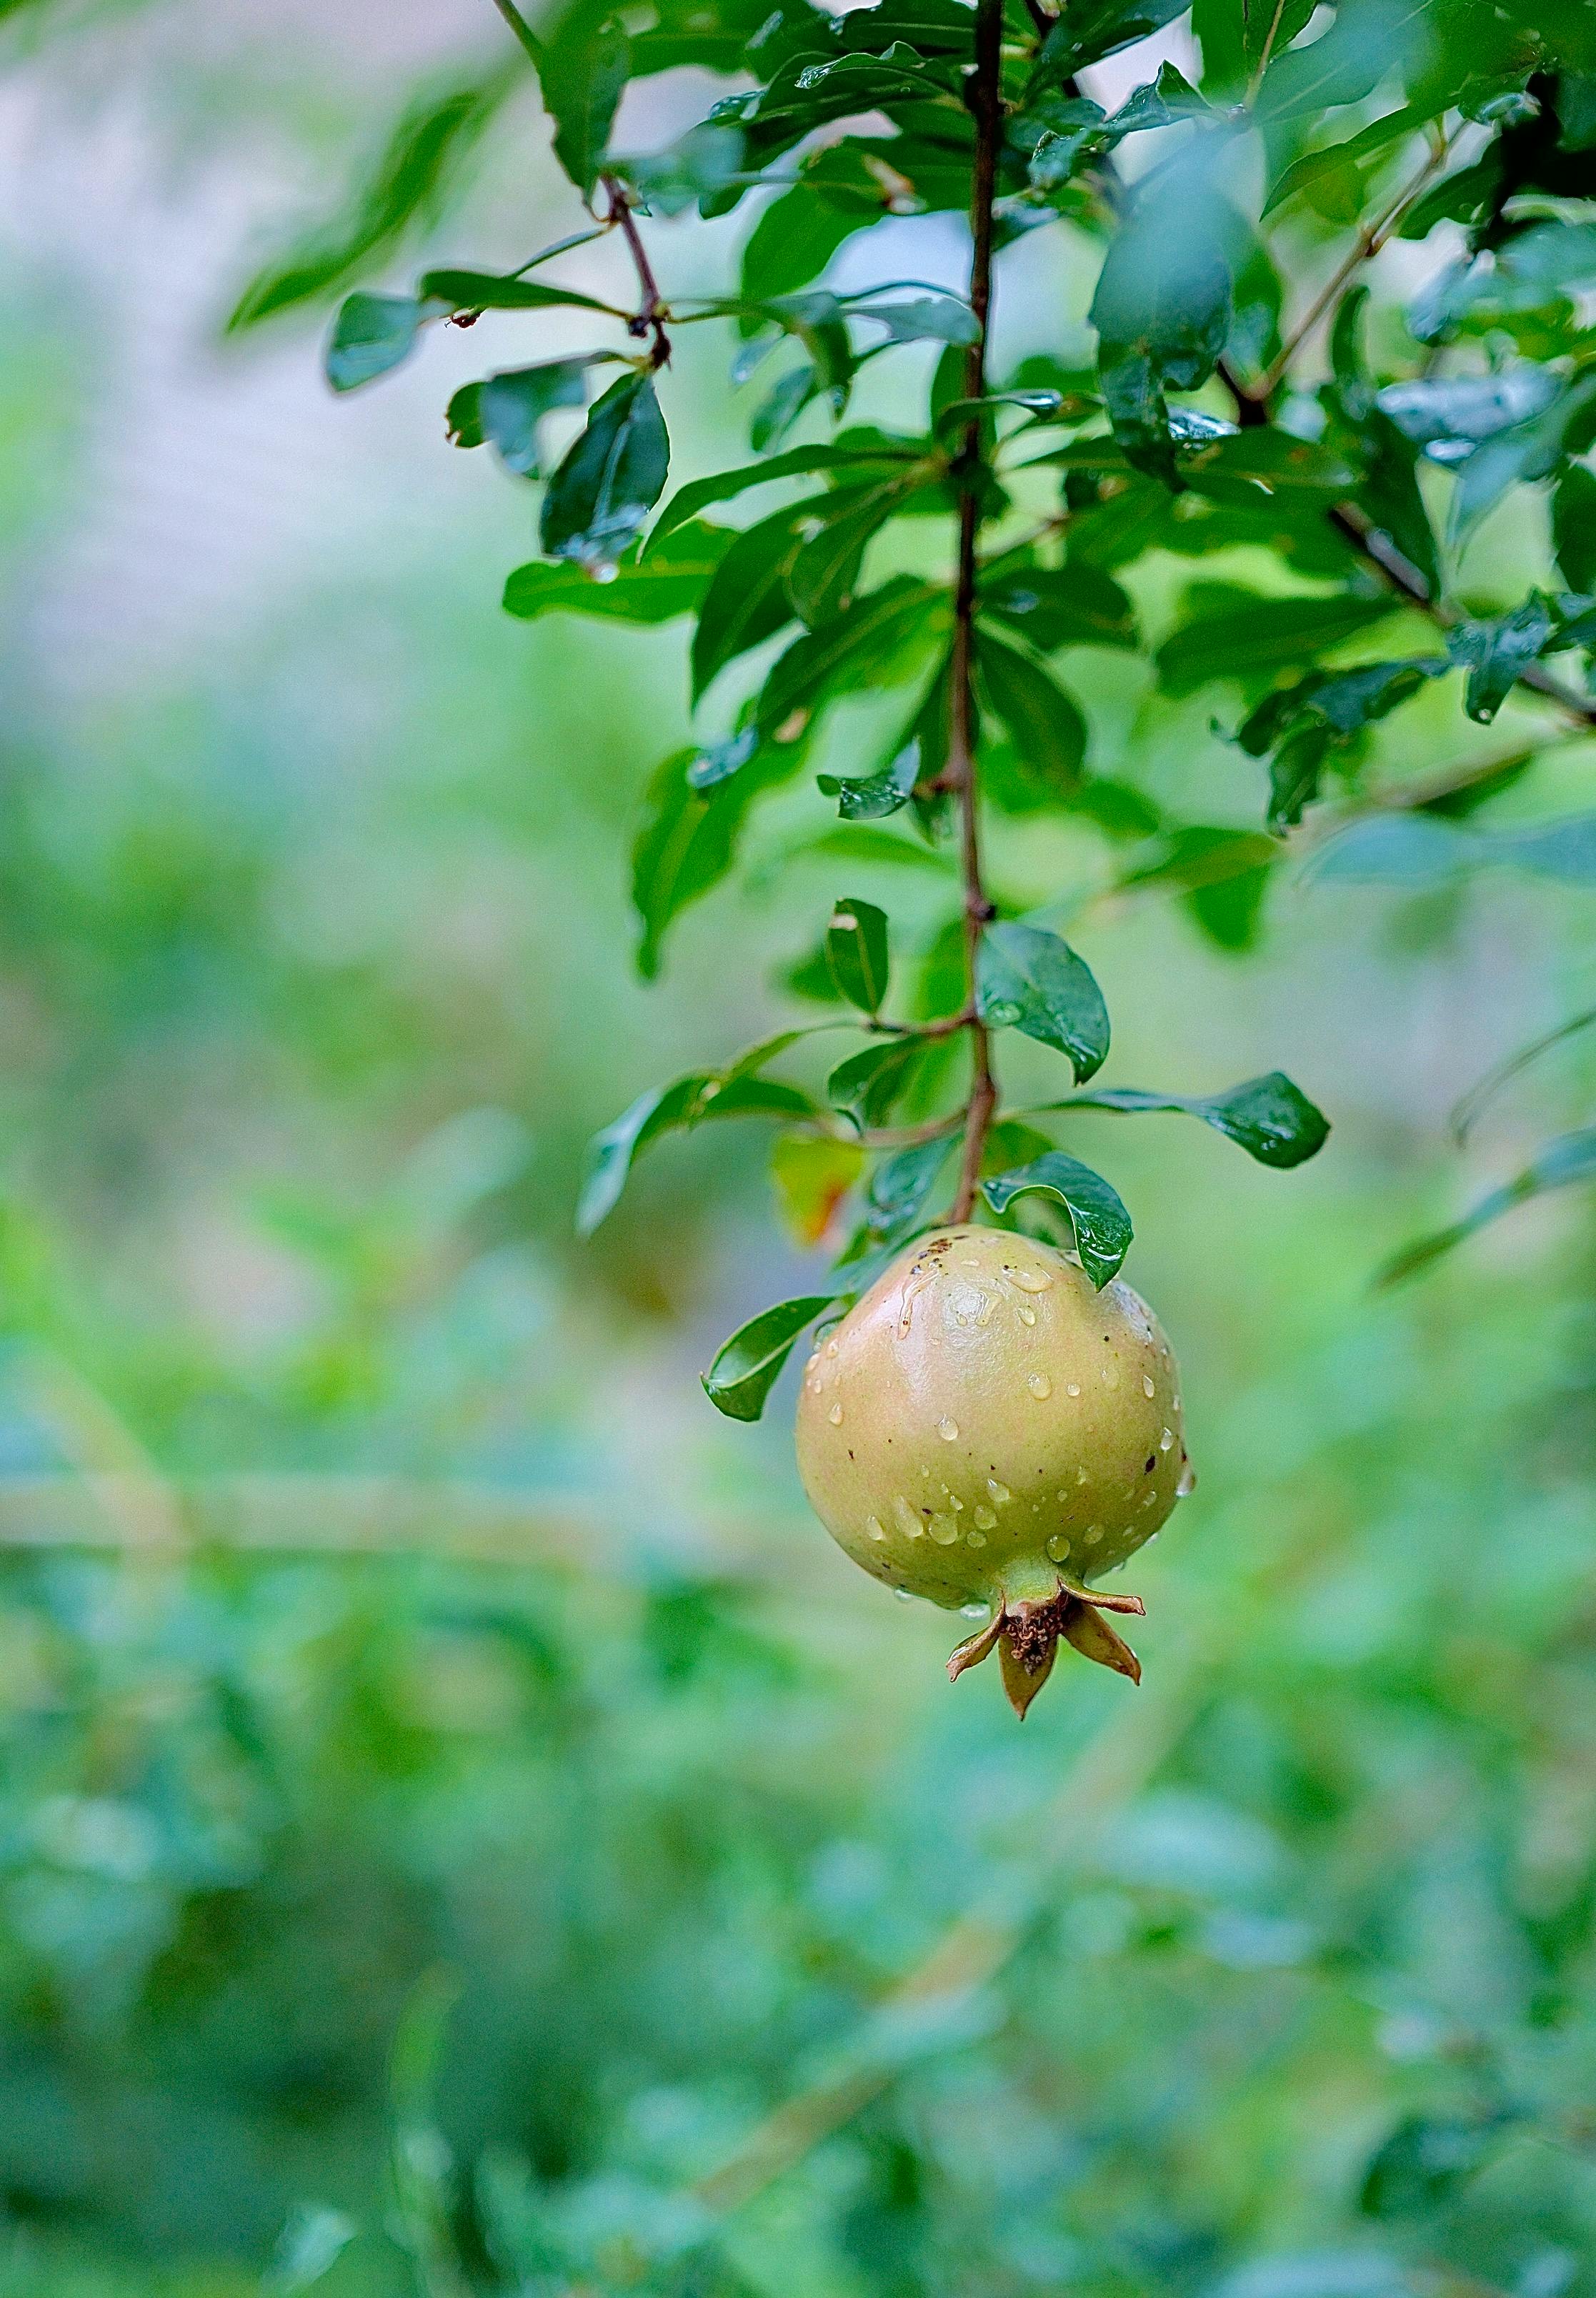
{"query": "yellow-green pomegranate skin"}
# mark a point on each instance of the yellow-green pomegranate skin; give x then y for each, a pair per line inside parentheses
(983, 1424)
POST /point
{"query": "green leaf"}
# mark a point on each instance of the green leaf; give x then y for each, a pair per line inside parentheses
(487, 290)
(1426, 2159)
(1033, 981)
(699, 164)
(1468, 1112)
(1496, 653)
(1100, 1221)
(865, 1086)
(1162, 103)
(669, 580)
(748, 601)
(1528, 451)
(1333, 180)
(798, 462)
(822, 576)
(900, 1188)
(583, 71)
(1090, 29)
(856, 952)
(1047, 730)
(746, 1366)
(1054, 607)
(867, 644)
(1571, 1158)
(612, 1154)
(687, 842)
(370, 335)
(1573, 526)
(1268, 1116)
(1230, 633)
(611, 477)
(1161, 309)
(879, 794)
(424, 154)
(504, 412)
(686, 1101)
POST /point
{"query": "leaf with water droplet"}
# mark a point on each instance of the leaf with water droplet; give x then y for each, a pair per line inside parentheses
(1033, 981)
(856, 952)
(1101, 1225)
(1268, 1116)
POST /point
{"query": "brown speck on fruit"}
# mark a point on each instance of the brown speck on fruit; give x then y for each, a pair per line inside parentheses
(1148, 1471)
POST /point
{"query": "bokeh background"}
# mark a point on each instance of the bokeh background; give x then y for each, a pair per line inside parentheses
(451, 1792)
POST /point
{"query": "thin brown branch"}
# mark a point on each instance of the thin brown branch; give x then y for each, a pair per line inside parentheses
(985, 101)
(650, 315)
(1370, 240)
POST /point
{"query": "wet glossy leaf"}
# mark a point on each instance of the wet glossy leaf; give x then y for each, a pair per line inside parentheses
(669, 579)
(900, 1189)
(1094, 29)
(746, 1366)
(1033, 981)
(879, 794)
(688, 840)
(1268, 1116)
(1573, 526)
(1100, 1221)
(1163, 311)
(1496, 653)
(1054, 607)
(748, 600)
(880, 634)
(610, 479)
(698, 164)
(488, 290)
(856, 951)
(798, 462)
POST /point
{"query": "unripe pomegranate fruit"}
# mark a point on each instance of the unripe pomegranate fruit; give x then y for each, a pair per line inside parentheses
(983, 1427)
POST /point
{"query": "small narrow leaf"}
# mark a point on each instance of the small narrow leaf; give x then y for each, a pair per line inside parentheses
(856, 952)
(612, 1154)
(611, 478)
(1101, 1223)
(489, 291)
(746, 1366)
(662, 584)
(1033, 981)
(509, 409)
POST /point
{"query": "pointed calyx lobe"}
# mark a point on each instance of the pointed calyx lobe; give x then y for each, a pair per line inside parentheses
(1026, 1637)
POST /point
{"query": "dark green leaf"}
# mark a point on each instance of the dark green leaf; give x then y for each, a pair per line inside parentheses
(1090, 29)
(504, 412)
(1426, 2159)
(1268, 1116)
(370, 335)
(688, 840)
(611, 477)
(612, 1154)
(879, 795)
(867, 644)
(1065, 606)
(1295, 773)
(698, 164)
(1100, 1221)
(745, 1367)
(1230, 634)
(1163, 311)
(1333, 180)
(857, 954)
(487, 290)
(798, 462)
(424, 154)
(748, 600)
(1528, 451)
(1033, 981)
(824, 574)
(1046, 728)
(1573, 526)
(1497, 653)
(668, 580)
(865, 1086)
(1162, 103)
(583, 71)
(900, 1189)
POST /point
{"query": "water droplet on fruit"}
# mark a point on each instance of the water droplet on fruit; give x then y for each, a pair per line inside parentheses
(976, 1539)
(1058, 1548)
(1166, 1441)
(1040, 1387)
(1147, 1388)
(813, 1386)
(1028, 1315)
(1189, 1483)
(943, 1530)
(814, 1360)
(1071, 1388)
(973, 1611)
(948, 1430)
(985, 1518)
(1149, 1501)
(903, 1595)
(835, 1415)
(1000, 1492)
(1082, 1476)
(1094, 1533)
(833, 1348)
(1111, 1376)
(908, 1523)
(875, 1527)
(1032, 1280)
